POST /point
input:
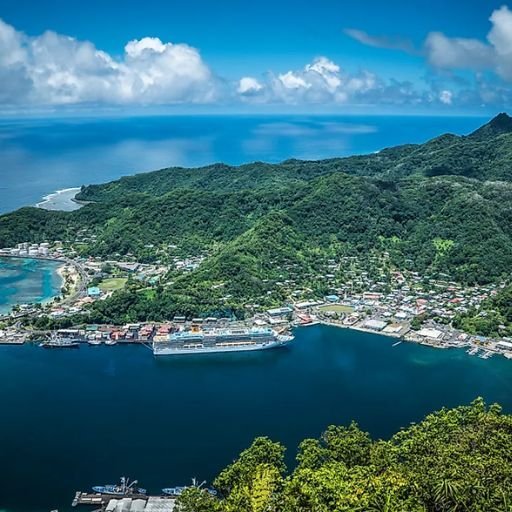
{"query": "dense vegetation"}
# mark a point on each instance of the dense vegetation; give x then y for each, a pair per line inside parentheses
(454, 460)
(444, 206)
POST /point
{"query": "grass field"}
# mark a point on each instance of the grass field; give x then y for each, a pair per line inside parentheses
(112, 284)
(336, 308)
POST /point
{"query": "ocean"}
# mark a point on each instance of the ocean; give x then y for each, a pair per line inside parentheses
(41, 156)
(77, 418)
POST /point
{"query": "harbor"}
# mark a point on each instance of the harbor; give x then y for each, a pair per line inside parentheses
(168, 419)
(128, 497)
(123, 497)
(409, 309)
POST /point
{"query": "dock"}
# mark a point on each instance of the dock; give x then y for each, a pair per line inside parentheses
(132, 503)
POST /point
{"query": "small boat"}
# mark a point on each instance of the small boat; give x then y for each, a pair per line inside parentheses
(125, 488)
(109, 489)
(178, 490)
(94, 341)
(308, 320)
(486, 355)
(173, 491)
(110, 342)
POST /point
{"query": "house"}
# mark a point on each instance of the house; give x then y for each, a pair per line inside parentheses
(504, 345)
(279, 311)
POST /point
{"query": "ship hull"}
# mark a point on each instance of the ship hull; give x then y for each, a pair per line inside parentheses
(53, 346)
(215, 349)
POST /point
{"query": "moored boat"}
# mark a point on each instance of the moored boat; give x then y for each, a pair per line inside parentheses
(220, 340)
(125, 488)
(60, 342)
(178, 490)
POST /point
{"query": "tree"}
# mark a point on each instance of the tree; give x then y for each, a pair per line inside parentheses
(454, 460)
(195, 499)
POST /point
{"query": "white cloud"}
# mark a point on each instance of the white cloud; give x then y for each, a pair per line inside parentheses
(327, 69)
(446, 97)
(465, 53)
(500, 35)
(325, 82)
(136, 47)
(249, 85)
(53, 69)
(290, 80)
(389, 43)
(446, 52)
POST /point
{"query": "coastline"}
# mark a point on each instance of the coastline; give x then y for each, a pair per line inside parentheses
(60, 200)
(403, 337)
(361, 329)
(60, 272)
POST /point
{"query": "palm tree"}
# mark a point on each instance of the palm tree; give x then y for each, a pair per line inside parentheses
(447, 495)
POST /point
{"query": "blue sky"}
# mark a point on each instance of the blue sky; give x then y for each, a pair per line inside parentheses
(394, 56)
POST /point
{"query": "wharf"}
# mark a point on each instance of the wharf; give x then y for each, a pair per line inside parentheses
(12, 341)
(130, 503)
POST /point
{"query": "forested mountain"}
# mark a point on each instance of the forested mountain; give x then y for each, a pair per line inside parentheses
(443, 206)
(458, 459)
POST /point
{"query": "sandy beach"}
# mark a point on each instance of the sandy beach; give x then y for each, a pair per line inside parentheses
(62, 200)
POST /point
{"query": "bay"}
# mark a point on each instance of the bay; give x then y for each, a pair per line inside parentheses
(73, 419)
(41, 156)
(27, 280)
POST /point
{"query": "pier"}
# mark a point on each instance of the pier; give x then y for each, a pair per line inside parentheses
(129, 503)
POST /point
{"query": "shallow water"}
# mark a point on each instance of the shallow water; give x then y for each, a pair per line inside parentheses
(26, 280)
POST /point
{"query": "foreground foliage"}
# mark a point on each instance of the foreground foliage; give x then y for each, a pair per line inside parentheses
(454, 460)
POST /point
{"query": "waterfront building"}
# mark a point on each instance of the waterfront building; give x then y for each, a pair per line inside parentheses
(376, 325)
(430, 333)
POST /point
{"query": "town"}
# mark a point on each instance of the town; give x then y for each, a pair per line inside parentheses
(373, 298)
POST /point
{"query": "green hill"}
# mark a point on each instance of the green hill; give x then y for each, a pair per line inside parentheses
(443, 206)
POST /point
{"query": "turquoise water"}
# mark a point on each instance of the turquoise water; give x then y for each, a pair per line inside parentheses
(26, 280)
(40, 156)
(73, 419)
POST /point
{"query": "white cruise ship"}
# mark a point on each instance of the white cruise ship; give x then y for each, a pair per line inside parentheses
(220, 340)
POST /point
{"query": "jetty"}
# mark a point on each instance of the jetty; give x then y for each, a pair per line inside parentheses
(132, 503)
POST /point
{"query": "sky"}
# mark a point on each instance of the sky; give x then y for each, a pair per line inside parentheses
(445, 57)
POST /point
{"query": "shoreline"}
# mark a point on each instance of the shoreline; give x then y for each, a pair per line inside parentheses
(403, 338)
(60, 200)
